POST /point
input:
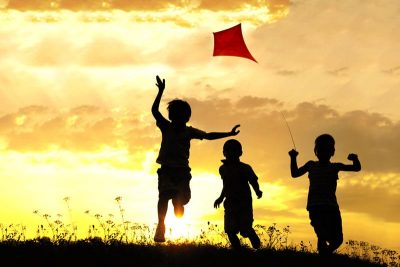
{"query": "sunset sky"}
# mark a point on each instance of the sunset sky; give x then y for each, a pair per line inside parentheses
(77, 82)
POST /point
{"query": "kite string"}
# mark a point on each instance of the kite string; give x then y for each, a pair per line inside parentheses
(290, 132)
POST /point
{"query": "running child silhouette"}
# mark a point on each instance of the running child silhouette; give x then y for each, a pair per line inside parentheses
(236, 177)
(174, 173)
(322, 204)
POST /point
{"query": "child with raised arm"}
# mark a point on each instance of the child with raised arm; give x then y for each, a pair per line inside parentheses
(322, 205)
(174, 173)
(236, 177)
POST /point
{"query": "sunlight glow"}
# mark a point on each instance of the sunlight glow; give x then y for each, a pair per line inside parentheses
(20, 120)
(178, 228)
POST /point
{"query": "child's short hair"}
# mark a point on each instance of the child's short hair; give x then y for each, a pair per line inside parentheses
(179, 110)
(233, 148)
(326, 141)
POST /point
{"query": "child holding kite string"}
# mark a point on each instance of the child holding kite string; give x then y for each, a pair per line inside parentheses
(322, 204)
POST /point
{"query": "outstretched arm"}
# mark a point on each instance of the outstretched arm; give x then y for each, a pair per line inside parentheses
(294, 169)
(256, 188)
(220, 199)
(156, 104)
(355, 167)
(217, 135)
(253, 180)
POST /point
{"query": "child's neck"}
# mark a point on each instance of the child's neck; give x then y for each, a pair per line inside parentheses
(232, 160)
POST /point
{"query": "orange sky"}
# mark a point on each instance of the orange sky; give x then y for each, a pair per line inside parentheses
(77, 84)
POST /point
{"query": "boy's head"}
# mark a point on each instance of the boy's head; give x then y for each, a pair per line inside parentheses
(232, 149)
(324, 147)
(179, 111)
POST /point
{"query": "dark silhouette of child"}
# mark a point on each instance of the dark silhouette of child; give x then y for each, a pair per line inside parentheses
(322, 205)
(174, 174)
(236, 177)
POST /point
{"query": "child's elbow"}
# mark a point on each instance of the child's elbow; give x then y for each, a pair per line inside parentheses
(356, 166)
(294, 175)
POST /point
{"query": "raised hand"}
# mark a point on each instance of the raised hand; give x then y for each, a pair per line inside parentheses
(234, 130)
(352, 157)
(160, 84)
(293, 153)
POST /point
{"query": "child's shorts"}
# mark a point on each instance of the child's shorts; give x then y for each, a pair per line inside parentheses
(173, 183)
(327, 223)
(238, 218)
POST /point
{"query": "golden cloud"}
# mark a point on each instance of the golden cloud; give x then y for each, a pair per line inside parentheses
(273, 5)
(264, 133)
(375, 201)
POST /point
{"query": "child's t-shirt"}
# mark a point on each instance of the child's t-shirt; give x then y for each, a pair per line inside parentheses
(175, 144)
(323, 182)
(236, 177)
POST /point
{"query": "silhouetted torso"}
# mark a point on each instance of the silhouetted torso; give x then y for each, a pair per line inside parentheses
(236, 177)
(175, 144)
(323, 182)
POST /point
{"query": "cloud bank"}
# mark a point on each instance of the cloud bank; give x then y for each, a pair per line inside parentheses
(264, 133)
(273, 5)
(265, 140)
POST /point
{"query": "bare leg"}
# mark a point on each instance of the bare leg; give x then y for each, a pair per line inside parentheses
(235, 242)
(162, 208)
(322, 246)
(254, 239)
(178, 207)
(181, 198)
(336, 238)
(325, 253)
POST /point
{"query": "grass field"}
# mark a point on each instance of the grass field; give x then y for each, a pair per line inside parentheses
(113, 243)
(97, 253)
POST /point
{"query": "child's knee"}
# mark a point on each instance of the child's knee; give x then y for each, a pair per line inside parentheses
(182, 197)
(185, 198)
(247, 232)
(180, 201)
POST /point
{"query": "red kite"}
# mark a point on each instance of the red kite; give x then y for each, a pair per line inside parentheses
(230, 42)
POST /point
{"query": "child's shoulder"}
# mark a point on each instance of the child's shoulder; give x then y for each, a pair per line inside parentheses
(230, 165)
(311, 163)
(222, 166)
(162, 122)
(245, 165)
(245, 168)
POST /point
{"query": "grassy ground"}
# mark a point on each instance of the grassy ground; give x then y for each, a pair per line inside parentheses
(82, 253)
